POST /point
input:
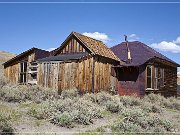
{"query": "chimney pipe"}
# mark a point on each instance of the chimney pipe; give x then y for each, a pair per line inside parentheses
(128, 50)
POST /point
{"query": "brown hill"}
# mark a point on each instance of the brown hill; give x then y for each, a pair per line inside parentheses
(4, 56)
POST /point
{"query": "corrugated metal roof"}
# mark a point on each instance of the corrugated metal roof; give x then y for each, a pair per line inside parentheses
(140, 53)
(64, 57)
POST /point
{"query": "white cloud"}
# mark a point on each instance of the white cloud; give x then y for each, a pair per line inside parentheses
(177, 41)
(168, 46)
(50, 49)
(97, 35)
(133, 37)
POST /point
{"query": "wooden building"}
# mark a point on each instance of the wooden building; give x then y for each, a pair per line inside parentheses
(130, 68)
(147, 71)
(80, 62)
(22, 69)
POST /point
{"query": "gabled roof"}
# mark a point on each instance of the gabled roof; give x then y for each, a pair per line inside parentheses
(24, 54)
(96, 47)
(140, 53)
(64, 57)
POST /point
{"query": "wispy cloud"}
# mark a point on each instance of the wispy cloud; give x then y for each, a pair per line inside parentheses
(133, 37)
(50, 49)
(97, 35)
(173, 46)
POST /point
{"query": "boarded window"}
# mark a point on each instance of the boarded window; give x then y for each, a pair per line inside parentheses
(156, 78)
(149, 76)
(23, 72)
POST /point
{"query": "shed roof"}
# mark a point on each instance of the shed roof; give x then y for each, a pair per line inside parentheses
(95, 46)
(64, 57)
(140, 53)
(23, 54)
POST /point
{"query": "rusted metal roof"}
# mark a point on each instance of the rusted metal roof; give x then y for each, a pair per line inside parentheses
(140, 52)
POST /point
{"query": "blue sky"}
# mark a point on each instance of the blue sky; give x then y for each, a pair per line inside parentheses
(45, 26)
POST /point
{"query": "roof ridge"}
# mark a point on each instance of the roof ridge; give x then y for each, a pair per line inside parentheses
(151, 49)
(86, 36)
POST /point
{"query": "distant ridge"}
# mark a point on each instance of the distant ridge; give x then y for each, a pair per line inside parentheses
(4, 56)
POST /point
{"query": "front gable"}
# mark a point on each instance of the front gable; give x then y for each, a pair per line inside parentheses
(72, 45)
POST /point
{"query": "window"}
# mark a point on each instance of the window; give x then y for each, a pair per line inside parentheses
(162, 77)
(149, 76)
(155, 78)
(23, 72)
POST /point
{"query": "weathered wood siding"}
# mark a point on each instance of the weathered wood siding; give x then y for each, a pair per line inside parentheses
(48, 74)
(77, 74)
(103, 79)
(31, 57)
(170, 81)
(12, 73)
(72, 46)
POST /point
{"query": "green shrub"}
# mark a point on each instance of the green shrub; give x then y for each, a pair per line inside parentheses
(69, 93)
(19, 93)
(12, 94)
(103, 97)
(85, 111)
(135, 122)
(81, 111)
(172, 103)
(36, 112)
(114, 106)
(90, 97)
(5, 126)
(3, 82)
(130, 101)
(63, 119)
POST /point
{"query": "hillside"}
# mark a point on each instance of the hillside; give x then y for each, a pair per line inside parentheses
(4, 56)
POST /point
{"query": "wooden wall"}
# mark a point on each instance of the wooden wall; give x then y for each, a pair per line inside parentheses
(170, 81)
(47, 75)
(103, 80)
(72, 46)
(31, 57)
(66, 75)
(12, 73)
(77, 74)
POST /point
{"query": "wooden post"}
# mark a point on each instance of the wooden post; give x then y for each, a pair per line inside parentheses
(93, 65)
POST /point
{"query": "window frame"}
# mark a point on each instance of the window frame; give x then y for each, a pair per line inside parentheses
(23, 72)
(162, 77)
(149, 77)
(155, 78)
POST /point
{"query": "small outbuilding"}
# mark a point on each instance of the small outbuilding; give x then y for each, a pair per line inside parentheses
(22, 69)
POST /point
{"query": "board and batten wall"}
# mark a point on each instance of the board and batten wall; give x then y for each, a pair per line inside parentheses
(12, 73)
(72, 46)
(84, 74)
